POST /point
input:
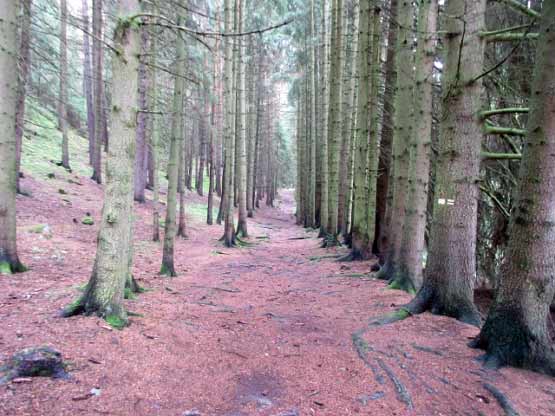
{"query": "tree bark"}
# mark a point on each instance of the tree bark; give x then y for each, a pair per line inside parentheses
(105, 290)
(176, 143)
(334, 123)
(62, 108)
(408, 274)
(229, 98)
(9, 260)
(515, 332)
(402, 135)
(361, 249)
(323, 144)
(24, 65)
(242, 229)
(97, 90)
(451, 269)
(385, 191)
(88, 78)
(142, 120)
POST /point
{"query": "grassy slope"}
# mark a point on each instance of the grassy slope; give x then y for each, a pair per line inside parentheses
(42, 147)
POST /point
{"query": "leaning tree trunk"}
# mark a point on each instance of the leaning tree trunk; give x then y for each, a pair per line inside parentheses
(105, 290)
(170, 228)
(401, 135)
(24, 65)
(63, 84)
(515, 332)
(451, 269)
(9, 261)
(408, 273)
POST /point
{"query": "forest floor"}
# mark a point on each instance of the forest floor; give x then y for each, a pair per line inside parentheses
(279, 328)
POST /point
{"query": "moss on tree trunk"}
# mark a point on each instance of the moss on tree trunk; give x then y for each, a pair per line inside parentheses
(515, 332)
(105, 290)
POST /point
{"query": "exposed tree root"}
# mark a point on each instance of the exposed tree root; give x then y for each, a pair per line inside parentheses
(501, 399)
(327, 256)
(427, 349)
(361, 346)
(116, 318)
(428, 299)
(402, 393)
(390, 318)
(383, 273)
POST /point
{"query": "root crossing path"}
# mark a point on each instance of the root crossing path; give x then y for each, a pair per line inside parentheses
(276, 328)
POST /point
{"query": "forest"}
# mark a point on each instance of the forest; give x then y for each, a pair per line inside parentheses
(277, 207)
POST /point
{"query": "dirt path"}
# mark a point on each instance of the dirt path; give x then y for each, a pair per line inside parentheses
(278, 328)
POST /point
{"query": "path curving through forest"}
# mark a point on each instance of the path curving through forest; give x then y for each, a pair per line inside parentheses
(275, 328)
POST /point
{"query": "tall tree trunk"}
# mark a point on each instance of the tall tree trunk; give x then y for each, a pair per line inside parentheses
(346, 114)
(24, 65)
(385, 191)
(153, 144)
(88, 78)
(401, 136)
(242, 229)
(313, 122)
(62, 108)
(451, 269)
(374, 144)
(182, 222)
(176, 143)
(213, 132)
(350, 128)
(361, 248)
(229, 100)
(334, 123)
(142, 120)
(408, 274)
(105, 290)
(97, 90)
(323, 145)
(9, 260)
(515, 332)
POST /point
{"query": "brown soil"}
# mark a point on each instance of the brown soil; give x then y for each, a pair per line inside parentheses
(262, 330)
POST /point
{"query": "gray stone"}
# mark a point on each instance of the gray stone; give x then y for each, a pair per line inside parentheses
(34, 362)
